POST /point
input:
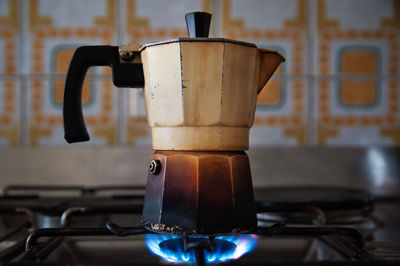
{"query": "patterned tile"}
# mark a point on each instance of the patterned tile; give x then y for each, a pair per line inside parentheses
(342, 123)
(357, 59)
(10, 99)
(338, 86)
(56, 29)
(363, 52)
(136, 130)
(9, 85)
(281, 114)
(45, 111)
(9, 37)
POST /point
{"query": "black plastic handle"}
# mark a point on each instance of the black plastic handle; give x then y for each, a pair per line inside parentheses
(125, 74)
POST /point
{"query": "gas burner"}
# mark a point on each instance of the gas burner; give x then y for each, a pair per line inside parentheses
(201, 248)
(85, 238)
(314, 205)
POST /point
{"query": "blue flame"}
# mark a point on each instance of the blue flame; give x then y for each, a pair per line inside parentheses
(244, 244)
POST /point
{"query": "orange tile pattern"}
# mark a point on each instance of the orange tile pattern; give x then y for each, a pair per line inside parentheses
(270, 95)
(340, 84)
(355, 92)
(63, 56)
(362, 91)
(9, 122)
(42, 29)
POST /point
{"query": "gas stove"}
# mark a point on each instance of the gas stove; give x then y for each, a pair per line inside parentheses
(72, 225)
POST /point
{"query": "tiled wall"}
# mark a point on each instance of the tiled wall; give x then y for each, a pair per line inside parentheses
(339, 85)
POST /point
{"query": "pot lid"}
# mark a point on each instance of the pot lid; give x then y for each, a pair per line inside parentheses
(198, 26)
(221, 40)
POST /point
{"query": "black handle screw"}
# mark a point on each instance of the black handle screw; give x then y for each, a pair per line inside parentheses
(155, 167)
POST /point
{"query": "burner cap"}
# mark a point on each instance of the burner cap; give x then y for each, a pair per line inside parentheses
(187, 249)
(278, 199)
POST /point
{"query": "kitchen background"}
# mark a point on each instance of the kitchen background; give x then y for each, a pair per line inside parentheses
(339, 87)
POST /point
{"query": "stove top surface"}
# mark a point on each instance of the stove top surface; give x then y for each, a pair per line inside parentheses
(325, 198)
(101, 225)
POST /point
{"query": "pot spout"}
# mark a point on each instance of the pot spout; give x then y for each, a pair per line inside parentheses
(269, 62)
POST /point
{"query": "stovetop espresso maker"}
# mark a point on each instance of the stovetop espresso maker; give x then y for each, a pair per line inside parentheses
(200, 96)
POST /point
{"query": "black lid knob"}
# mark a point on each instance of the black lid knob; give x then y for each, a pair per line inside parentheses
(198, 24)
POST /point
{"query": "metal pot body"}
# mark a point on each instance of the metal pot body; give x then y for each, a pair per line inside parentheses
(200, 95)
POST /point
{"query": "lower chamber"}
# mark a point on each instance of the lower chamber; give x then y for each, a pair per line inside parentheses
(200, 193)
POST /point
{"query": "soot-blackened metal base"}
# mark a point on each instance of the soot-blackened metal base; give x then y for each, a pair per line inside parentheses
(206, 193)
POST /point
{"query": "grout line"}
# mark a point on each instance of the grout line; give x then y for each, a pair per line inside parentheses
(310, 81)
(118, 22)
(23, 108)
(24, 112)
(119, 91)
